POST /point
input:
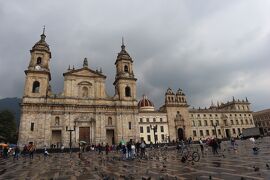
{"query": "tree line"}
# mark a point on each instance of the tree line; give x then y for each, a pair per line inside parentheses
(8, 128)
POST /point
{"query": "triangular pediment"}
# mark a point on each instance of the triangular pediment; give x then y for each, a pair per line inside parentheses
(84, 72)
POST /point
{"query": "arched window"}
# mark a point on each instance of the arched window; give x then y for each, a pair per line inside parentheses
(109, 121)
(57, 121)
(127, 92)
(36, 86)
(126, 68)
(39, 60)
(84, 92)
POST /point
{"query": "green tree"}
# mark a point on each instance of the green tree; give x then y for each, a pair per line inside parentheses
(8, 128)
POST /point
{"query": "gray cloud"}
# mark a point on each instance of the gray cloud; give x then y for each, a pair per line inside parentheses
(212, 50)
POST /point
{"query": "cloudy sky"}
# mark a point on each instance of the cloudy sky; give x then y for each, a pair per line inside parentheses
(213, 50)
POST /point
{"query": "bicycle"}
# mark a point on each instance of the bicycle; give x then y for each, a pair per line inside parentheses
(190, 156)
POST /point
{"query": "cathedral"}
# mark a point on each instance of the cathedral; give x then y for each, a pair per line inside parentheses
(84, 111)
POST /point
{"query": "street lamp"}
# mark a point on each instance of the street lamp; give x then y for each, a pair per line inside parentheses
(215, 126)
(70, 136)
(166, 138)
(154, 128)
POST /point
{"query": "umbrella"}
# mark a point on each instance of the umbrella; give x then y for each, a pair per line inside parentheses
(123, 142)
(12, 145)
(83, 142)
(3, 145)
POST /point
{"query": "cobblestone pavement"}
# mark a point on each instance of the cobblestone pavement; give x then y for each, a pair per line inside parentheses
(229, 164)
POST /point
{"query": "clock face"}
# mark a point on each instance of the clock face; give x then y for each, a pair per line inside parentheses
(37, 67)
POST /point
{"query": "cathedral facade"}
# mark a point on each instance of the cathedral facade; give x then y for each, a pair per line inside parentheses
(84, 111)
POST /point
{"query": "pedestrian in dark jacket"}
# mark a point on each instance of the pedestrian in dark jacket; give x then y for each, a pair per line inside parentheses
(16, 153)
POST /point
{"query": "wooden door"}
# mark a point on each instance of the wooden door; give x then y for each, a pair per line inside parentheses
(84, 134)
(110, 136)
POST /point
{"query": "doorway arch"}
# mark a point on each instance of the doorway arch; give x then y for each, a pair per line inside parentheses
(180, 134)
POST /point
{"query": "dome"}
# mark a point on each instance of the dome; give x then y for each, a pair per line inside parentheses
(145, 104)
(41, 45)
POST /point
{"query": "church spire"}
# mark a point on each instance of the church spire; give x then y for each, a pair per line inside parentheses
(123, 45)
(43, 36)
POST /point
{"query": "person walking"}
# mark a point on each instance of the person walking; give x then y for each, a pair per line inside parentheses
(25, 151)
(137, 145)
(133, 150)
(129, 149)
(62, 148)
(5, 152)
(107, 149)
(45, 153)
(143, 146)
(215, 146)
(202, 148)
(124, 151)
(99, 149)
(16, 153)
(31, 149)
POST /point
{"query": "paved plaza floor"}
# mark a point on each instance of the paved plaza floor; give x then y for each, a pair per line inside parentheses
(229, 164)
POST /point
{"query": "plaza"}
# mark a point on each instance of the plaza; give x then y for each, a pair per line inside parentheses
(160, 164)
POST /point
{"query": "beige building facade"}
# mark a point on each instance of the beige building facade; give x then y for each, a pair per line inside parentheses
(85, 112)
(262, 120)
(221, 121)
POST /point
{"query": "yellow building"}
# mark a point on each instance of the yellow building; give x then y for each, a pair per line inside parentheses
(223, 121)
(83, 111)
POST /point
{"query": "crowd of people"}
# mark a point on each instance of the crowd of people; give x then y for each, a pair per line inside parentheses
(15, 151)
(128, 151)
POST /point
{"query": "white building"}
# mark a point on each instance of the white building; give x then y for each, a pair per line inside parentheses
(152, 122)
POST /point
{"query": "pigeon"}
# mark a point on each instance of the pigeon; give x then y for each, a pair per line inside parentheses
(223, 155)
(256, 168)
(146, 178)
(3, 171)
(267, 166)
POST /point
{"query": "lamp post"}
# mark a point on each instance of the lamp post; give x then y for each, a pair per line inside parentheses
(154, 128)
(215, 126)
(70, 136)
(166, 138)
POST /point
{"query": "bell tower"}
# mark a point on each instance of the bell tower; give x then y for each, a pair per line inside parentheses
(125, 81)
(38, 73)
(178, 115)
